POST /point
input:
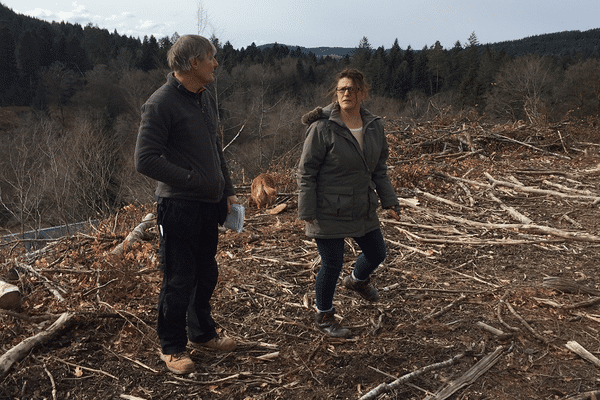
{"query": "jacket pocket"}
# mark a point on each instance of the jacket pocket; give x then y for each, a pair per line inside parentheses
(335, 202)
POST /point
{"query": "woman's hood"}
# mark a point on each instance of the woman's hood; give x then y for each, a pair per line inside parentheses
(316, 114)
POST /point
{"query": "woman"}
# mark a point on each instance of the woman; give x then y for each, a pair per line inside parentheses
(342, 173)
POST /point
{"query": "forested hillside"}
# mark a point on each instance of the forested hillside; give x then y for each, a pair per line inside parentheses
(71, 97)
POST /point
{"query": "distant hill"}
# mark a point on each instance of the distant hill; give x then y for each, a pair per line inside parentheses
(318, 51)
(550, 44)
(554, 44)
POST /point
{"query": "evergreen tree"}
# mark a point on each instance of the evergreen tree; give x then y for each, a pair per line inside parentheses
(489, 64)
(437, 66)
(150, 53)
(376, 71)
(8, 66)
(405, 79)
(45, 36)
(75, 57)
(473, 41)
(421, 80)
(28, 55)
(252, 54)
(97, 44)
(392, 87)
(362, 54)
(227, 57)
(456, 67)
(164, 45)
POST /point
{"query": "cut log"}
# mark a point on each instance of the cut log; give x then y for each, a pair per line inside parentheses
(10, 296)
(135, 235)
(277, 209)
(568, 286)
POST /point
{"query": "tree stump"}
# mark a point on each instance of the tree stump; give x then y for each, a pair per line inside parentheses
(10, 296)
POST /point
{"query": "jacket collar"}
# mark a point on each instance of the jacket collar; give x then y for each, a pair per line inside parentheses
(171, 80)
(332, 113)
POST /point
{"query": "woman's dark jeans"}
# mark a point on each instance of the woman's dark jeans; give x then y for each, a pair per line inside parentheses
(332, 260)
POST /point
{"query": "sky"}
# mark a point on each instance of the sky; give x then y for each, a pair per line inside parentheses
(318, 23)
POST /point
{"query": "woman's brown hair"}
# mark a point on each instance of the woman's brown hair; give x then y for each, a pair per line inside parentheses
(357, 77)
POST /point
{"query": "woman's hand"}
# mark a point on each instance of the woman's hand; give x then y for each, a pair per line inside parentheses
(394, 211)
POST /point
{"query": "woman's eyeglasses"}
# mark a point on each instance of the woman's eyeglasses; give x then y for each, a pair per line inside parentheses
(351, 89)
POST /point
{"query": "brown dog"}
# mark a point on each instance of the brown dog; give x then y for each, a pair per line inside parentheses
(262, 191)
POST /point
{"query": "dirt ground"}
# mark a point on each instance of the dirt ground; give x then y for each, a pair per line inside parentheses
(469, 248)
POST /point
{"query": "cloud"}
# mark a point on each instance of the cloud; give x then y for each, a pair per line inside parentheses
(78, 13)
(40, 13)
(120, 17)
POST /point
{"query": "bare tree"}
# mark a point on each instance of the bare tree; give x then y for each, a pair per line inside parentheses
(22, 177)
(59, 82)
(582, 87)
(523, 88)
(202, 17)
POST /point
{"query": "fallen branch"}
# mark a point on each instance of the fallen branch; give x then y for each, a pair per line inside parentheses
(135, 235)
(21, 350)
(582, 352)
(490, 329)
(585, 396)
(529, 327)
(469, 377)
(387, 387)
(87, 369)
(427, 253)
(502, 137)
(499, 314)
(570, 190)
(128, 397)
(29, 318)
(440, 312)
(581, 304)
(468, 193)
(443, 310)
(529, 189)
(51, 381)
(466, 239)
(539, 229)
(440, 199)
(511, 211)
(45, 280)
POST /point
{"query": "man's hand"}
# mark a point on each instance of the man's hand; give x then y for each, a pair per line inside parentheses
(231, 200)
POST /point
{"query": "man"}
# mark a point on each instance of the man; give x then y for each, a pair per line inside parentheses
(178, 146)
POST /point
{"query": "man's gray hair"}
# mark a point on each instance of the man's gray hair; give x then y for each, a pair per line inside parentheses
(186, 48)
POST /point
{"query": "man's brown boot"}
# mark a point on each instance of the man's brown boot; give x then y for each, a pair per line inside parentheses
(217, 343)
(179, 363)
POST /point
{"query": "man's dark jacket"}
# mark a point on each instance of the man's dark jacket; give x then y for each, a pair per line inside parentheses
(178, 145)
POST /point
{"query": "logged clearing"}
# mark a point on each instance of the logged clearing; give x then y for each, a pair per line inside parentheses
(490, 289)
